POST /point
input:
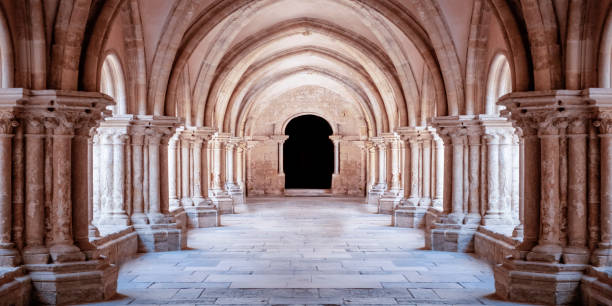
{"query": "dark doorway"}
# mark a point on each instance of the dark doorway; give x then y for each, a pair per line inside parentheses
(308, 153)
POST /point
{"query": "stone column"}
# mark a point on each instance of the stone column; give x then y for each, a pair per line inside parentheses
(395, 166)
(458, 144)
(576, 250)
(548, 247)
(9, 256)
(172, 173)
(336, 140)
(186, 140)
(60, 239)
(371, 147)
(138, 203)
(35, 251)
(505, 176)
(493, 212)
(216, 166)
(602, 256)
(229, 165)
(196, 153)
(119, 213)
(426, 179)
(382, 165)
(415, 147)
(439, 172)
(240, 164)
(153, 140)
(105, 149)
(473, 216)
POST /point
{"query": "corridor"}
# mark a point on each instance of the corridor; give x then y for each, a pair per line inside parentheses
(305, 251)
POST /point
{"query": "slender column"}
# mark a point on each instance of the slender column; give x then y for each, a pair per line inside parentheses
(458, 140)
(593, 185)
(204, 176)
(97, 200)
(79, 188)
(415, 147)
(426, 190)
(516, 190)
(519, 188)
(473, 216)
(91, 190)
(439, 172)
(493, 212)
(382, 165)
(505, 176)
(119, 213)
(18, 164)
(185, 192)
(216, 165)
(395, 165)
(35, 250)
(172, 173)
(153, 142)
(577, 192)
(137, 141)
(240, 164)
(336, 140)
(196, 152)
(229, 164)
(106, 176)
(9, 256)
(548, 248)
(60, 240)
(532, 182)
(603, 254)
(372, 161)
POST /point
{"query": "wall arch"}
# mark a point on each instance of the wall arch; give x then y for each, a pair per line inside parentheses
(112, 82)
(6, 54)
(605, 54)
(499, 83)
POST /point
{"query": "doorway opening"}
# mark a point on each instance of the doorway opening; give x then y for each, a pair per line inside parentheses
(308, 153)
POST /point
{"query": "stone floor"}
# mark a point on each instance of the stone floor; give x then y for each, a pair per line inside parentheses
(306, 251)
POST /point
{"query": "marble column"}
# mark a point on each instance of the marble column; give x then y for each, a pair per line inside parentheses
(395, 166)
(196, 152)
(473, 216)
(138, 215)
(229, 165)
(336, 140)
(9, 256)
(35, 251)
(371, 147)
(240, 164)
(505, 175)
(216, 166)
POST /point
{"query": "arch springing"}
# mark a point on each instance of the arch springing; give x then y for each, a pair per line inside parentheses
(112, 83)
(499, 83)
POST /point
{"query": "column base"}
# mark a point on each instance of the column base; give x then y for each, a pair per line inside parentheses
(538, 282)
(387, 203)
(410, 216)
(36, 255)
(201, 216)
(67, 283)
(15, 287)
(602, 256)
(225, 204)
(9, 256)
(158, 237)
(472, 219)
(596, 287)
(140, 218)
(373, 196)
(576, 255)
(186, 202)
(61, 253)
(453, 237)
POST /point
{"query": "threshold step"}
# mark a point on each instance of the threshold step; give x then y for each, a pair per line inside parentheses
(295, 192)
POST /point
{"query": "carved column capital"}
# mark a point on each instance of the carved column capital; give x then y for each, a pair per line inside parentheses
(7, 122)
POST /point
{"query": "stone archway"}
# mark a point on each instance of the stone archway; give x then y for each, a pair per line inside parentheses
(308, 153)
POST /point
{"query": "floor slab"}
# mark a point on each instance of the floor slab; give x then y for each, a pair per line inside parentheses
(305, 251)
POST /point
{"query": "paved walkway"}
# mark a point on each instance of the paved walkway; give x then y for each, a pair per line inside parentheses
(306, 251)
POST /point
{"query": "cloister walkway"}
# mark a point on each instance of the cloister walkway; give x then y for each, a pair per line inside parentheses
(306, 251)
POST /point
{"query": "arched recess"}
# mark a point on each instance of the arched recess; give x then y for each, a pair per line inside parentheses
(605, 54)
(6, 54)
(112, 82)
(499, 83)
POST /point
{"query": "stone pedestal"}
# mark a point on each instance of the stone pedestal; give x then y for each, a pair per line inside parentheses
(597, 287)
(201, 216)
(453, 237)
(15, 286)
(68, 283)
(158, 237)
(387, 203)
(410, 216)
(538, 282)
